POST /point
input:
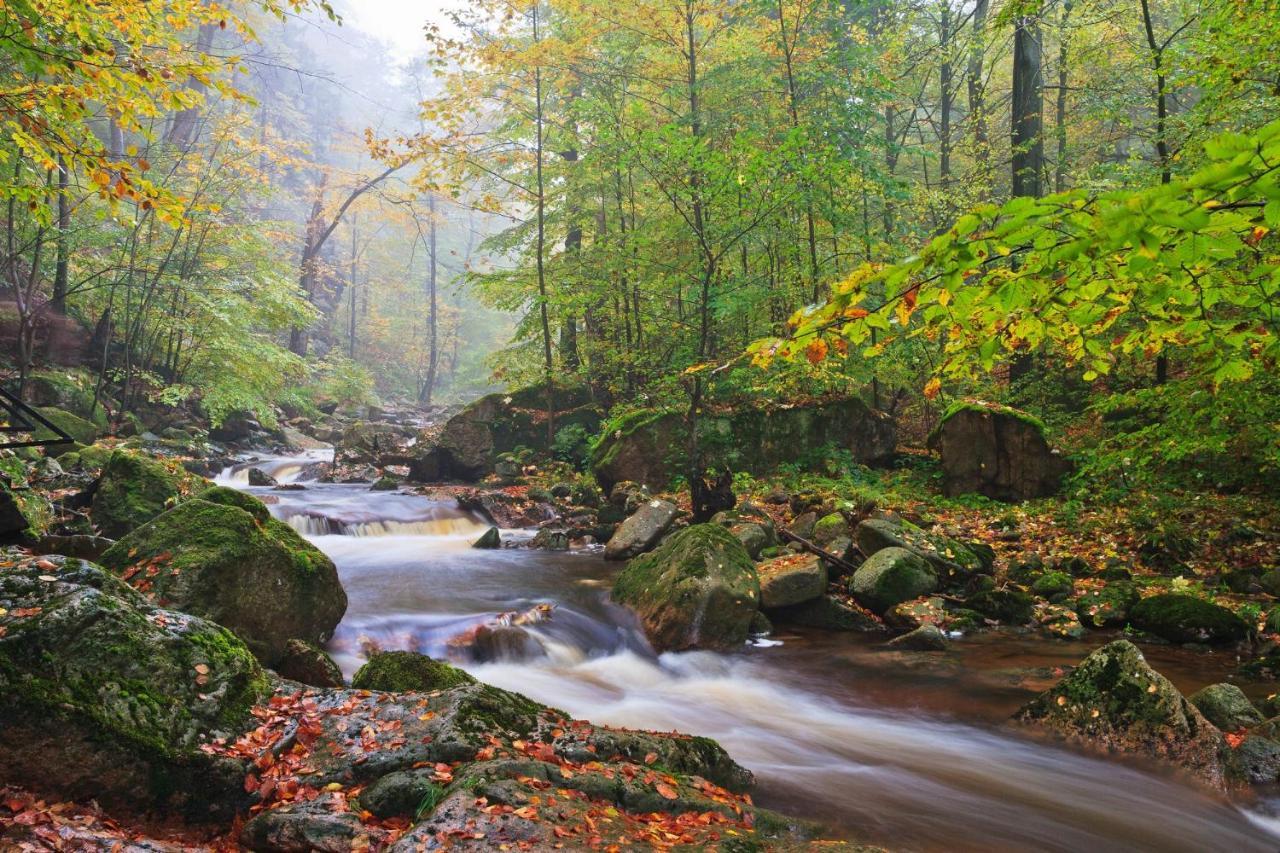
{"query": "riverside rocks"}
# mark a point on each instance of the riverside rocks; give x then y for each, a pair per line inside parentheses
(951, 559)
(1116, 702)
(405, 671)
(789, 580)
(699, 589)
(134, 489)
(157, 713)
(104, 695)
(641, 531)
(222, 556)
(891, 576)
(648, 446)
(1226, 706)
(1182, 618)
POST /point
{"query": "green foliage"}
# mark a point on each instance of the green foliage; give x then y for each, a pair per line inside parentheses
(572, 444)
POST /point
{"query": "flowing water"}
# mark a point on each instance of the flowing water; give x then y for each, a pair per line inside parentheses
(906, 750)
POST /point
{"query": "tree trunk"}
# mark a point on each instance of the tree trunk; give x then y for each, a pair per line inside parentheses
(1027, 109)
(542, 242)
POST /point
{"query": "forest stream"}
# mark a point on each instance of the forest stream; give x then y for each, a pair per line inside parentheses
(886, 747)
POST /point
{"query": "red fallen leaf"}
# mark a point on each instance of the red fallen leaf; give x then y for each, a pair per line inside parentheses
(14, 804)
(650, 758)
(23, 612)
(202, 668)
(666, 791)
(561, 832)
(1234, 739)
(250, 783)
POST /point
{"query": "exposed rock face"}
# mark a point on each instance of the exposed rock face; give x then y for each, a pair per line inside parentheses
(699, 589)
(649, 446)
(791, 580)
(105, 696)
(891, 576)
(641, 531)
(470, 441)
(308, 664)
(1183, 618)
(490, 539)
(133, 490)
(367, 443)
(399, 672)
(1116, 702)
(222, 556)
(998, 452)
(258, 477)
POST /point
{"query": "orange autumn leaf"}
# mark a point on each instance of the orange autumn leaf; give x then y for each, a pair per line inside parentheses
(816, 351)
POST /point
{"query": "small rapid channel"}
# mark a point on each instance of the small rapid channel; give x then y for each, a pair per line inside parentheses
(905, 750)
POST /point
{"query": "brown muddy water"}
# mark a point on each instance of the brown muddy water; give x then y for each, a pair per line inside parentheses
(908, 750)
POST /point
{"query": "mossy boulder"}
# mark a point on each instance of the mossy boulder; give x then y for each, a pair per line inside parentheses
(793, 579)
(402, 672)
(1181, 618)
(1060, 622)
(951, 559)
(699, 589)
(24, 513)
(1007, 606)
(106, 696)
(650, 446)
(1226, 706)
(134, 489)
(891, 576)
(82, 432)
(490, 539)
(998, 452)
(1114, 701)
(926, 638)
(223, 557)
(1054, 586)
(1107, 607)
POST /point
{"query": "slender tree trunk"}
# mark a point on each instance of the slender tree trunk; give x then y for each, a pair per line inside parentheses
(542, 242)
(977, 86)
(351, 302)
(1162, 141)
(433, 344)
(945, 84)
(60, 275)
(1027, 132)
(1060, 119)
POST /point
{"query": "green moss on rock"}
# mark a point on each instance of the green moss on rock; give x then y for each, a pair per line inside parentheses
(1115, 701)
(401, 672)
(259, 578)
(1182, 618)
(134, 489)
(891, 576)
(699, 589)
(105, 696)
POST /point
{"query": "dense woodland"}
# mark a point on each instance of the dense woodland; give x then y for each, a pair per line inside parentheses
(803, 270)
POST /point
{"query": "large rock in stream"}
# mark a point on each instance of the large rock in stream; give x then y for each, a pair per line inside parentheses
(998, 452)
(156, 713)
(699, 589)
(222, 556)
(1115, 702)
(649, 446)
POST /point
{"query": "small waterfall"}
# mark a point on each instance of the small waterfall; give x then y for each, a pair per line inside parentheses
(460, 525)
(304, 467)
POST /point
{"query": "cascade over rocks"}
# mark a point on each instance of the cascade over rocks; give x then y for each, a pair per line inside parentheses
(222, 556)
(699, 589)
(157, 713)
(649, 446)
(998, 452)
(468, 445)
(1116, 702)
